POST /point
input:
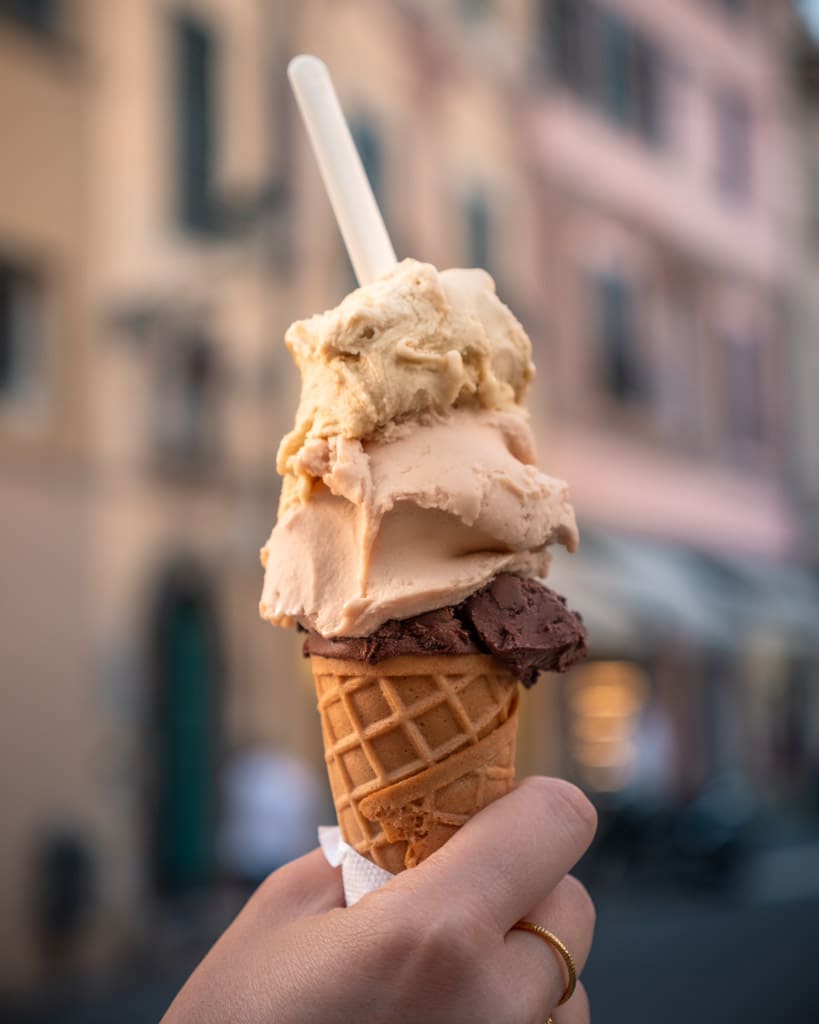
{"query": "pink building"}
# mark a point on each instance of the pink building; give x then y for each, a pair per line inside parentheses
(661, 139)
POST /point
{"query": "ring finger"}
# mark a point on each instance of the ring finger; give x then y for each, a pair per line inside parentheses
(538, 968)
(576, 1011)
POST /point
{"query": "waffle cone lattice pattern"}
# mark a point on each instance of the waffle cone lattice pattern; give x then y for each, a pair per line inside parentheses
(414, 747)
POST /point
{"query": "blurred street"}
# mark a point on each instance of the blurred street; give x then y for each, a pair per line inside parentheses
(655, 959)
(679, 960)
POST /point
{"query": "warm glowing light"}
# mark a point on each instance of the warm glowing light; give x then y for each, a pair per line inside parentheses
(605, 701)
(605, 755)
(608, 699)
(599, 730)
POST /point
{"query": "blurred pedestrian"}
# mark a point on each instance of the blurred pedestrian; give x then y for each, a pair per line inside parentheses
(271, 809)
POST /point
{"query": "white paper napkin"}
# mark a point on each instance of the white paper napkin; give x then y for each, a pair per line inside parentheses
(358, 874)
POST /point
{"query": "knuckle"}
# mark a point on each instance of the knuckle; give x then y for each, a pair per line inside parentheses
(449, 940)
(579, 810)
(577, 895)
(406, 941)
(581, 1007)
(505, 1005)
(270, 888)
(390, 947)
(540, 786)
(530, 1007)
(401, 946)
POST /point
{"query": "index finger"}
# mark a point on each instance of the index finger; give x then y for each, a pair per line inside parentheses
(512, 853)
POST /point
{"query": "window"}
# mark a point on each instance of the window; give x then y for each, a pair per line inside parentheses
(620, 360)
(565, 28)
(187, 396)
(647, 70)
(474, 10)
(37, 15)
(676, 390)
(618, 83)
(631, 67)
(743, 390)
(733, 146)
(21, 329)
(813, 197)
(732, 7)
(600, 56)
(477, 232)
(368, 145)
(195, 127)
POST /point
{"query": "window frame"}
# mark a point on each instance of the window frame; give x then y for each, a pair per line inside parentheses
(585, 45)
(733, 142)
(746, 422)
(27, 374)
(633, 393)
(196, 205)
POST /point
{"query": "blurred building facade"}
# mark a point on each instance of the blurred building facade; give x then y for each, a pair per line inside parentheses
(672, 197)
(625, 171)
(141, 225)
(806, 313)
(805, 370)
(47, 659)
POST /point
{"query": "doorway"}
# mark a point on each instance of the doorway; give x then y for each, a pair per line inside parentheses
(185, 733)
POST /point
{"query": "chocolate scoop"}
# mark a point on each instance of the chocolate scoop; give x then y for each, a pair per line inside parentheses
(522, 623)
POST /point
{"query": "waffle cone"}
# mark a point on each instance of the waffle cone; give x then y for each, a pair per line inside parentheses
(414, 747)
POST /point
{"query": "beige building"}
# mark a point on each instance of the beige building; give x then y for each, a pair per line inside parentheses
(198, 229)
(144, 235)
(189, 269)
(49, 726)
(621, 168)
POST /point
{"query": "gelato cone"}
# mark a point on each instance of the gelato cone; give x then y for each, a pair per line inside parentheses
(414, 747)
(413, 531)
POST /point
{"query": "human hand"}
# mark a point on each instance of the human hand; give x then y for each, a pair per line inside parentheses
(433, 945)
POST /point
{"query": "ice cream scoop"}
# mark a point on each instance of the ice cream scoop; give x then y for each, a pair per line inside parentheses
(417, 520)
(521, 622)
(414, 341)
(411, 481)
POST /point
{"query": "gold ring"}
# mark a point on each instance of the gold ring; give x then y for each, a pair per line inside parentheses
(557, 945)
